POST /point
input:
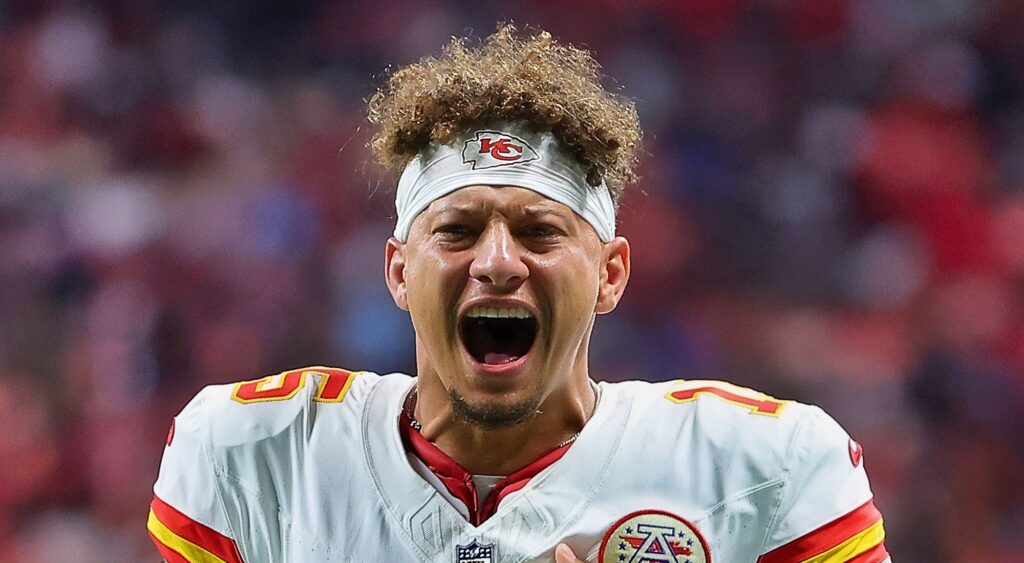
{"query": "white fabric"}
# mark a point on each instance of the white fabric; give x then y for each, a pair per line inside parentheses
(502, 155)
(484, 487)
(307, 481)
(423, 471)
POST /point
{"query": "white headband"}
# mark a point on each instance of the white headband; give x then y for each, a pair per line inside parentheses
(502, 155)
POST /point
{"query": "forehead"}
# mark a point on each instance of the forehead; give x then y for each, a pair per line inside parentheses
(504, 199)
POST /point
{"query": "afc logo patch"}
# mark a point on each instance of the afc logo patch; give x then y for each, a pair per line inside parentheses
(490, 149)
(653, 536)
(474, 553)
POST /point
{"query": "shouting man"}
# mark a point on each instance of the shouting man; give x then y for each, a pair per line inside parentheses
(512, 158)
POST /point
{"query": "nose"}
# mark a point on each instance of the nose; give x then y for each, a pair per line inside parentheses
(498, 260)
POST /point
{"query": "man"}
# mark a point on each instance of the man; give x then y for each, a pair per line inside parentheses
(512, 158)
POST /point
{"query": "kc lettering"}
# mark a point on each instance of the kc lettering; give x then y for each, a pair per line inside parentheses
(490, 149)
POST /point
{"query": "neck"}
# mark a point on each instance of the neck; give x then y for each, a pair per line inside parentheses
(501, 451)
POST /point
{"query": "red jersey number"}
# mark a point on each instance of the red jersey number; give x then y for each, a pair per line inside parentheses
(756, 402)
(334, 385)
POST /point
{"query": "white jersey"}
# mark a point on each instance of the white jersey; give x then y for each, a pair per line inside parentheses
(310, 466)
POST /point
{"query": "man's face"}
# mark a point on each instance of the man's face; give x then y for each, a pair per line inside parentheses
(502, 285)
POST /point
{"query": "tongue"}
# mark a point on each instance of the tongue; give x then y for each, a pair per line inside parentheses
(494, 358)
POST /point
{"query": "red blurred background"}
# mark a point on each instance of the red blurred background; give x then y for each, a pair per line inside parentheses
(831, 210)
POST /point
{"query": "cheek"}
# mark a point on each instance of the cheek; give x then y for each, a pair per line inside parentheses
(573, 283)
(426, 275)
(433, 287)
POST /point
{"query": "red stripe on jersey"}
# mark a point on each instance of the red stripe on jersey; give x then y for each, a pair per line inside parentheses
(199, 534)
(825, 537)
(876, 554)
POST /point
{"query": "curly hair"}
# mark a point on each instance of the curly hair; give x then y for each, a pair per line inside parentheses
(510, 77)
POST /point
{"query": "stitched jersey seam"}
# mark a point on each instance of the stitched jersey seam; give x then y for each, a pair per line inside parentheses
(785, 478)
(207, 444)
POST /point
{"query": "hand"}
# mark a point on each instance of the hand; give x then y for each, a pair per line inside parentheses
(564, 554)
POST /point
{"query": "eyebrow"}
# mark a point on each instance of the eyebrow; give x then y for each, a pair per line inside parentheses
(543, 209)
(531, 209)
(463, 208)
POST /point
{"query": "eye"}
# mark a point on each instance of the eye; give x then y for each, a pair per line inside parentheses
(452, 231)
(542, 231)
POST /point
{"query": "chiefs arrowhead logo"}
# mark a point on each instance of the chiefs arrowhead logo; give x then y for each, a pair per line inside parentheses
(856, 452)
(489, 149)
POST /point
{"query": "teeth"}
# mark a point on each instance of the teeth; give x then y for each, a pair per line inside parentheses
(499, 313)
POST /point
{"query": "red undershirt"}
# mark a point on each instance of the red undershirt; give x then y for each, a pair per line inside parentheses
(459, 482)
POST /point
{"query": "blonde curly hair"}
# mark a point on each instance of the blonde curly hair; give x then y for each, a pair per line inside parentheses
(527, 78)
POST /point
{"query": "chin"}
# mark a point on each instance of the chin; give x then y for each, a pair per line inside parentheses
(495, 413)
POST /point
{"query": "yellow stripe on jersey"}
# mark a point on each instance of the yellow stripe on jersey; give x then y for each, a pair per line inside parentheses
(863, 541)
(187, 549)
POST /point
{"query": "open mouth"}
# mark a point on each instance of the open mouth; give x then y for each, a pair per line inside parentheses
(498, 336)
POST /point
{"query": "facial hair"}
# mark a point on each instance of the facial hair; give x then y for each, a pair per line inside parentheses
(493, 416)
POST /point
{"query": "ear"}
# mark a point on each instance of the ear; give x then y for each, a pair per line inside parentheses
(614, 274)
(394, 272)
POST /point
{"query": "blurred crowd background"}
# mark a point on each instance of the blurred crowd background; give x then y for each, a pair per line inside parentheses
(831, 210)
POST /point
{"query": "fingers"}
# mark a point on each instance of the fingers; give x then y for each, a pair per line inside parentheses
(563, 554)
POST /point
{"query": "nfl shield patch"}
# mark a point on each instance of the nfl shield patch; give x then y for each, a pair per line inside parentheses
(474, 553)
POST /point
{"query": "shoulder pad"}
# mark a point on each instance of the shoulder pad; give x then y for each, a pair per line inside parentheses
(254, 410)
(737, 425)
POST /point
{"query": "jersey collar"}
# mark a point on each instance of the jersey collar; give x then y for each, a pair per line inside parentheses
(529, 512)
(459, 482)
